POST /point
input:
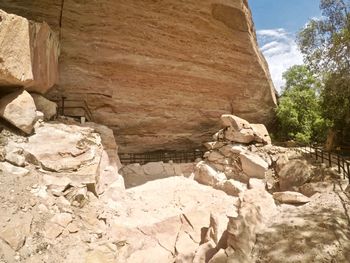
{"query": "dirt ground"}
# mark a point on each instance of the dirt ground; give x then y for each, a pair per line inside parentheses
(316, 232)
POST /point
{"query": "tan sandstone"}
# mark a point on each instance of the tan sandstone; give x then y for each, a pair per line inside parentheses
(158, 73)
(29, 54)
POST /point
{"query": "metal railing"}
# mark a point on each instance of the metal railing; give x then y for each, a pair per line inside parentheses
(161, 156)
(67, 107)
(329, 158)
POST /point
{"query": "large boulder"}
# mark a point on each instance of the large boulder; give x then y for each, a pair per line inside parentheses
(241, 131)
(29, 54)
(19, 109)
(260, 133)
(253, 165)
(256, 209)
(110, 164)
(207, 175)
(47, 107)
(235, 122)
(294, 174)
(243, 136)
(231, 187)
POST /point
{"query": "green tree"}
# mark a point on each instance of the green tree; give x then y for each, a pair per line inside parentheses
(298, 113)
(325, 43)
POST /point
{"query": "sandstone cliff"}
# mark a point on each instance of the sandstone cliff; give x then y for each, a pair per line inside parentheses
(159, 73)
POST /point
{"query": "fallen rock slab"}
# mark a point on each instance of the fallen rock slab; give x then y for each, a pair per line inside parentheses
(231, 187)
(207, 175)
(47, 107)
(19, 109)
(290, 197)
(29, 54)
(253, 165)
(294, 174)
(235, 122)
(261, 134)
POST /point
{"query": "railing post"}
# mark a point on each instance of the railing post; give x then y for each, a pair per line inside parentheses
(316, 153)
(321, 156)
(348, 165)
(338, 161)
(344, 171)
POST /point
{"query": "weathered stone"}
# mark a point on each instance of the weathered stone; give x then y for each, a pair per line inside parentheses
(289, 197)
(47, 107)
(294, 174)
(29, 54)
(174, 213)
(216, 157)
(62, 219)
(52, 230)
(16, 231)
(74, 151)
(235, 122)
(77, 196)
(261, 133)
(18, 108)
(205, 174)
(229, 150)
(253, 165)
(213, 145)
(219, 136)
(243, 136)
(255, 183)
(15, 156)
(154, 168)
(73, 227)
(8, 168)
(179, 78)
(281, 162)
(39, 116)
(231, 187)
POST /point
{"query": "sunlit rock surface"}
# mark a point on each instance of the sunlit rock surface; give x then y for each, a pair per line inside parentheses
(159, 73)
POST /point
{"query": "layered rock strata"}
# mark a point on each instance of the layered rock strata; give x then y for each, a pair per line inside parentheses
(159, 73)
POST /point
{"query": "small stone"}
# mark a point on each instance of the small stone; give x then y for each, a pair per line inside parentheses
(52, 230)
(62, 219)
(42, 208)
(73, 227)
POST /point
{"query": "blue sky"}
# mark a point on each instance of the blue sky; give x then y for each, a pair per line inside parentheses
(276, 23)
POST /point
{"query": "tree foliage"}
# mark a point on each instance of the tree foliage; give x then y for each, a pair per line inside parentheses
(298, 113)
(325, 43)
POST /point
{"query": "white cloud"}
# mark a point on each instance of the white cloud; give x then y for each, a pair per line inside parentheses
(280, 51)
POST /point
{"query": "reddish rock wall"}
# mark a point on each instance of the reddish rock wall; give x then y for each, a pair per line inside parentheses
(158, 72)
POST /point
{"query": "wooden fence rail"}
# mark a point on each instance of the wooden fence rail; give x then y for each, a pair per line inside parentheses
(331, 159)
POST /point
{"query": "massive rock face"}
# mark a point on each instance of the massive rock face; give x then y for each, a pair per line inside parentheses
(159, 73)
